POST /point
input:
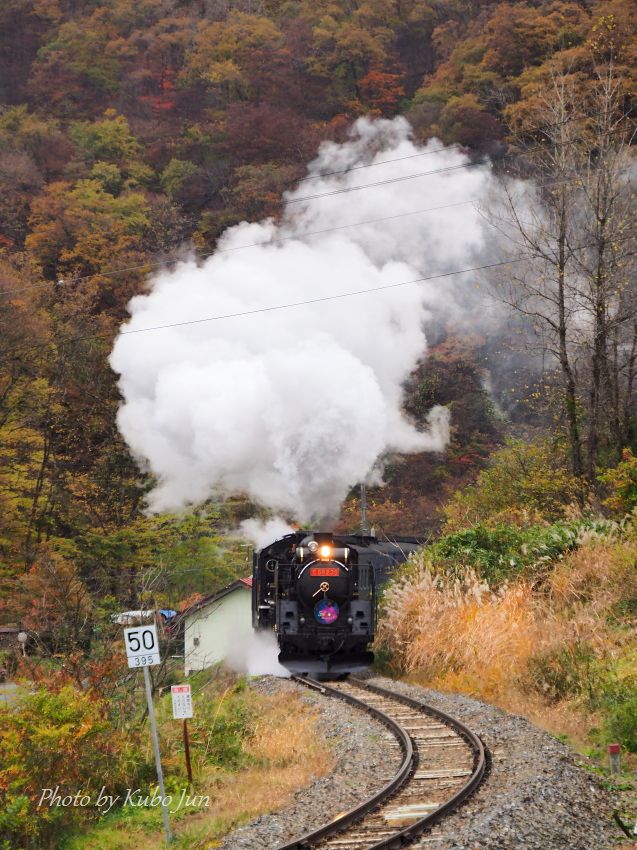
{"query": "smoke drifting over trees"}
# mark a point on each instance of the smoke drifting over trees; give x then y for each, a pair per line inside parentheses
(293, 406)
(575, 224)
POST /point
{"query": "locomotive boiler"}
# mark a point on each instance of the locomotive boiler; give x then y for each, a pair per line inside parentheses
(317, 592)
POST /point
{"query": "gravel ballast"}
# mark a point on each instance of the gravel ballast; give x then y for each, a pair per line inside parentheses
(537, 795)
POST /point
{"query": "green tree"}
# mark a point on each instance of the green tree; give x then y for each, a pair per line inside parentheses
(521, 479)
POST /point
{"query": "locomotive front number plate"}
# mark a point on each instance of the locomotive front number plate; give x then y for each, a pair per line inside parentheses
(324, 571)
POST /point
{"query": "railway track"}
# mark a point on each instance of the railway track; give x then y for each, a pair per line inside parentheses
(443, 763)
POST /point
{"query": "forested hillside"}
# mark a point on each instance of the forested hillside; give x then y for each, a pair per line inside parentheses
(129, 133)
(132, 134)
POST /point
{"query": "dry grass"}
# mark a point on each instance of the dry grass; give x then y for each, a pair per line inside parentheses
(530, 650)
(286, 754)
(595, 577)
(458, 633)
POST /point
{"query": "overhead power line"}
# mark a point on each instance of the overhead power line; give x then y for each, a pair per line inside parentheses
(290, 305)
(322, 298)
(159, 264)
(372, 164)
(399, 179)
(287, 306)
(260, 243)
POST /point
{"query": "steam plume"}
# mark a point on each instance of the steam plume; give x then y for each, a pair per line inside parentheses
(256, 654)
(263, 533)
(294, 406)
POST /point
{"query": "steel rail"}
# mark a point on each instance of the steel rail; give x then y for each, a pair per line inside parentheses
(407, 767)
(409, 833)
(406, 835)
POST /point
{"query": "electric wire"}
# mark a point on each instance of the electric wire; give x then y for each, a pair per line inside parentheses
(372, 164)
(305, 302)
(277, 307)
(456, 147)
(345, 189)
(73, 279)
(259, 244)
(159, 264)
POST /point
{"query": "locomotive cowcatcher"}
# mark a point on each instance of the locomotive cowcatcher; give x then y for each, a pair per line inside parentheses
(317, 592)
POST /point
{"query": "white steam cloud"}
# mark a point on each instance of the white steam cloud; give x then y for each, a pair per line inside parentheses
(255, 654)
(263, 533)
(294, 406)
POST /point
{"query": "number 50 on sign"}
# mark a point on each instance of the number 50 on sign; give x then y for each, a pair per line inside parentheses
(142, 646)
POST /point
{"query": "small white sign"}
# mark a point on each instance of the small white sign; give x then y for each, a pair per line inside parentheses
(182, 701)
(142, 646)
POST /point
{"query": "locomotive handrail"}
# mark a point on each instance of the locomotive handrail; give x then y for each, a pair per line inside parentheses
(408, 765)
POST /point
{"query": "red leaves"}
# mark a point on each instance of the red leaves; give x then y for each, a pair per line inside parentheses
(382, 91)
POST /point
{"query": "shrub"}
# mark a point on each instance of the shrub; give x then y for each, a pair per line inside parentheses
(621, 482)
(530, 479)
(220, 729)
(499, 552)
(563, 671)
(60, 739)
(621, 723)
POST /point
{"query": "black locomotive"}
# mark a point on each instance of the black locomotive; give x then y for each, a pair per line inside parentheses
(317, 592)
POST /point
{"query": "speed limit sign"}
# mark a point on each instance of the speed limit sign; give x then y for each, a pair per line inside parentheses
(142, 646)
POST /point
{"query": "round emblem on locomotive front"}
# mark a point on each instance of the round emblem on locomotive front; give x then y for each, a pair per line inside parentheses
(326, 612)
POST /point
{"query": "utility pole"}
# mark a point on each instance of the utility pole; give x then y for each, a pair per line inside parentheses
(364, 520)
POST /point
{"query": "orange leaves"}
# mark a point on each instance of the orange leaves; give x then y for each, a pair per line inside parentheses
(45, 744)
(223, 52)
(519, 36)
(382, 91)
(56, 602)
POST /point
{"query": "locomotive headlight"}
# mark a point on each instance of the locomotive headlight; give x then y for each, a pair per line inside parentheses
(313, 546)
(325, 553)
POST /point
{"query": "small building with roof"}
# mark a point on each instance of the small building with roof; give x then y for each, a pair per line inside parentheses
(216, 623)
(9, 636)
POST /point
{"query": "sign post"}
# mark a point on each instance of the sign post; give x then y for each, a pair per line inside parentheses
(182, 708)
(142, 649)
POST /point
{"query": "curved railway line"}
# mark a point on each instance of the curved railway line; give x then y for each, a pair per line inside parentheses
(443, 763)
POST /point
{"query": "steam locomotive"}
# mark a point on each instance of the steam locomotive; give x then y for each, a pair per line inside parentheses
(318, 591)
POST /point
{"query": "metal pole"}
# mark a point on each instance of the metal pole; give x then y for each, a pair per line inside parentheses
(160, 774)
(364, 522)
(187, 751)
